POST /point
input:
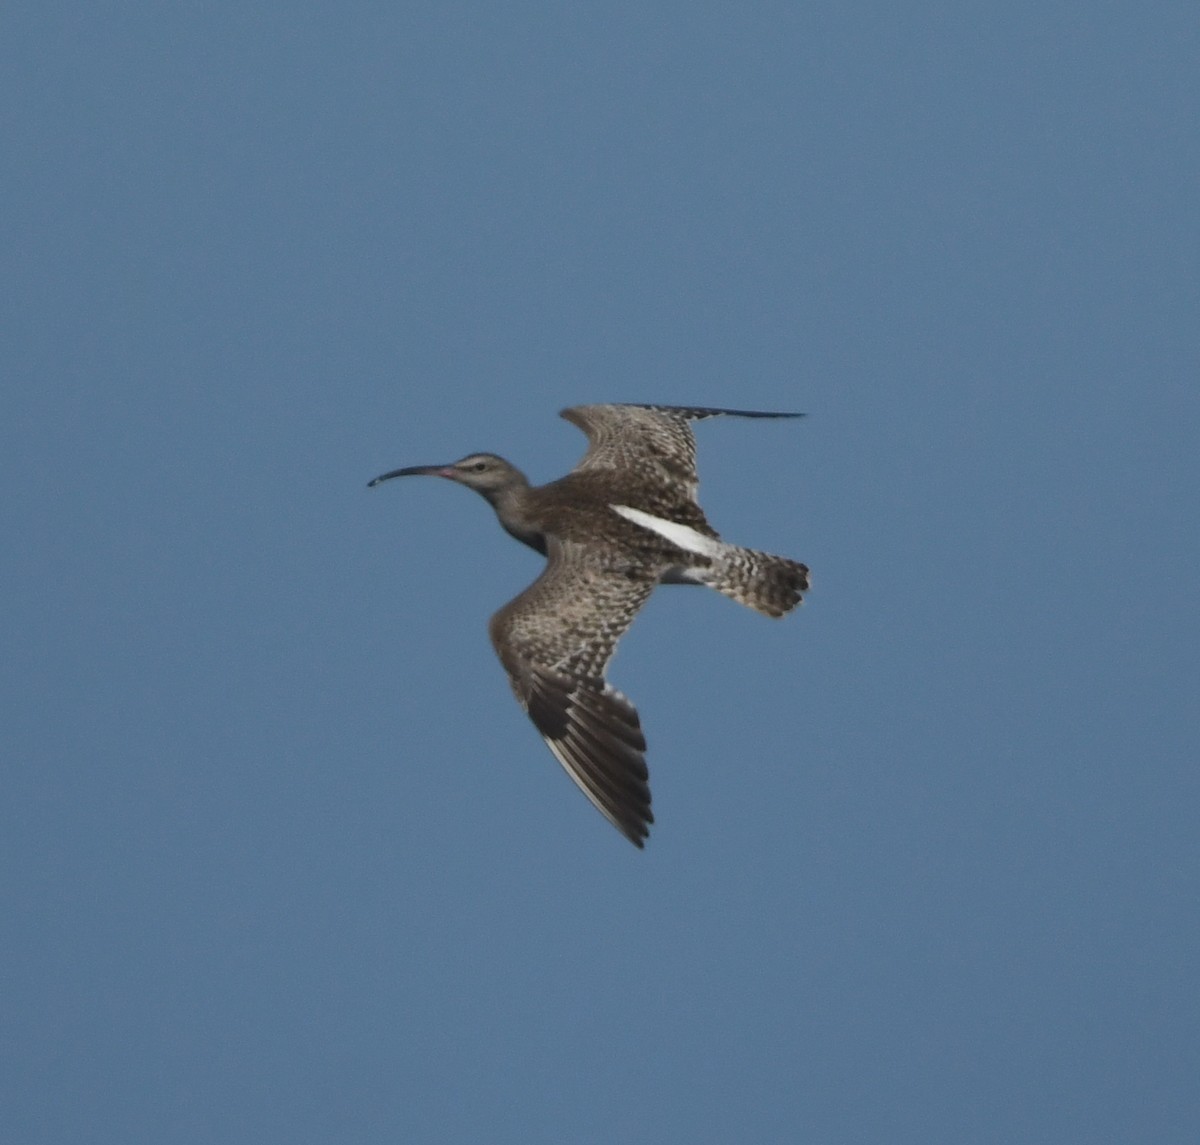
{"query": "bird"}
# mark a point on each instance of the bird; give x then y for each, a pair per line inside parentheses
(623, 521)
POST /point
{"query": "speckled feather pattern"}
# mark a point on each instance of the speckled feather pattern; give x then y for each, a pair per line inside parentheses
(555, 640)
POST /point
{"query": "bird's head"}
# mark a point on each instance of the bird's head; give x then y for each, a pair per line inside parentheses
(486, 473)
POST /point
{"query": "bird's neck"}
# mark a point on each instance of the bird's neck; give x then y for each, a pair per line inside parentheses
(514, 508)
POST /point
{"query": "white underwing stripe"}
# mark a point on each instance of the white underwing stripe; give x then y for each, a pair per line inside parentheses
(684, 536)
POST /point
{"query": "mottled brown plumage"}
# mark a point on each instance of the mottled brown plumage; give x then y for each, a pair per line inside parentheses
(622, 521)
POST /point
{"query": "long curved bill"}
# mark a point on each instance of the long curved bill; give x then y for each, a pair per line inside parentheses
(409, 471)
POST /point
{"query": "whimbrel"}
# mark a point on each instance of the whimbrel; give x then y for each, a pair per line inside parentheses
(622, 521)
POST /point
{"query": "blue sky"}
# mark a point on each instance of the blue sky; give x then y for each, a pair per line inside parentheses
(283, 861)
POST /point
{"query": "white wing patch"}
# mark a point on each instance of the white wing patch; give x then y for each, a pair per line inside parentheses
(684, 536)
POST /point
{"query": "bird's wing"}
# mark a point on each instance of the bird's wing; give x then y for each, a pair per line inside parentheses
(555, 640)
(652, 439)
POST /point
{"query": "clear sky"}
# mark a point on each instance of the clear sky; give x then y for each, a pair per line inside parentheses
(283, 862)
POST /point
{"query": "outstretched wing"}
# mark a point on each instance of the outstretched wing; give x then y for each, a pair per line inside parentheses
(647, 438)
(555, 641)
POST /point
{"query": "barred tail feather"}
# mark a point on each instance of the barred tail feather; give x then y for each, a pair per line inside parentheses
(769, 584)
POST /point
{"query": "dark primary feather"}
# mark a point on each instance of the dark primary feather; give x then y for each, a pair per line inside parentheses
(698, 413)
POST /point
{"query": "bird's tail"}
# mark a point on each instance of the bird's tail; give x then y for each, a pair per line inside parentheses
(768, 584)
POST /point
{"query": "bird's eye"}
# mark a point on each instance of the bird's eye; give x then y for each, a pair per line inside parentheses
(479, 466)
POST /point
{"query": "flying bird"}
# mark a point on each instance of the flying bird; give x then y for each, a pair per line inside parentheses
(624, 520)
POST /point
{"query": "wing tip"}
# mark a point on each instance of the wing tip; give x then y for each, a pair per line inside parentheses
(690, 413)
